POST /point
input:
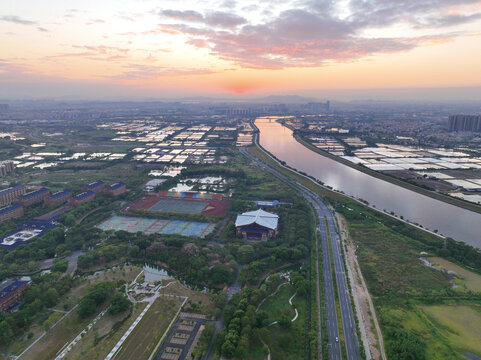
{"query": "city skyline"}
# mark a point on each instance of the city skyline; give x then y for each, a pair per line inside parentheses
(146, 49)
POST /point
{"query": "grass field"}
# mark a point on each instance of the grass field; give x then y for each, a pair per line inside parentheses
(56, 338)
(127, 273)
(199, 302)
(98, 342)
(390, 265)
(75, 179)
(467, 280)
(448, 331)
(71, 325)
(142, 341)
(460, 325)
(283, 343)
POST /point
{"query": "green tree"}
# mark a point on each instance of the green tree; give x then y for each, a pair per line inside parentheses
(51, 297)
(86, 307)
(69, 220)
(6, 333)
(285, 319)
(60, 267)
(119, 303)
(228, 349)
(245, 253)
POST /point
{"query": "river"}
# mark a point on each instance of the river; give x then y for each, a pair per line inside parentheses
(449, 220)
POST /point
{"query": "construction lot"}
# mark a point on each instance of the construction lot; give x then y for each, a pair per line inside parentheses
(182, 337)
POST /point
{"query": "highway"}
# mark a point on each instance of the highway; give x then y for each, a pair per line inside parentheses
(348, 322)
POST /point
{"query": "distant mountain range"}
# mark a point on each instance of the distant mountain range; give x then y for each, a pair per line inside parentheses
(276, 99)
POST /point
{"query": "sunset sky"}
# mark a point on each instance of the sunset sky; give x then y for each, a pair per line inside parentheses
(140, 48)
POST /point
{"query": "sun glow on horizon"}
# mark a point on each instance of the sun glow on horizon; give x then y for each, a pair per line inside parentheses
(236, 47)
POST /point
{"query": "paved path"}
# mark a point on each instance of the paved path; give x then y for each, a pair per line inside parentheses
(295, 309)
(80, 335)
(117, 346)
(44, 333)
(219, 324)
(268, 296)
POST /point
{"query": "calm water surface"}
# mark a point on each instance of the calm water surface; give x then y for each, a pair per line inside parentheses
(450, 220)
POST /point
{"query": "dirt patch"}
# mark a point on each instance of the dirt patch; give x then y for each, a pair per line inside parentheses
(199, 302)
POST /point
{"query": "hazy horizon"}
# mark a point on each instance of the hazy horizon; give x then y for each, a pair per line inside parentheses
(415, 95)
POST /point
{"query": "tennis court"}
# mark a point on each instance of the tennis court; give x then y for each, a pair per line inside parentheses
(157, 226)
(179, 206)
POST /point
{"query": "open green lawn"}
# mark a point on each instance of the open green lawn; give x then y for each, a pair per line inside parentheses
(75, 179)
(98, 342)
(460, 325)
(467, 280)
(142, 341)
(283, 343)
(56, 338)
(448, 331)
(390, 265)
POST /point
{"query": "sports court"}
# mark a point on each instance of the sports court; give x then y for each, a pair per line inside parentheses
(179, 207)
(183, 203)
(157, 226)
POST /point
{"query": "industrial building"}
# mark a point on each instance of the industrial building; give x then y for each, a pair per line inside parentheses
(464, 123)
(6, 167)
(257, 225)
(152, 184)
(58, 198)
(34, 197)
(10, 195)
(82, 198)
(95, 187)
(11, 212)
(116, 189)
(11, 293)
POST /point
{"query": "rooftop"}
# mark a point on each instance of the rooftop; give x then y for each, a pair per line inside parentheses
(95, 184)
(116, 185)
(34, 193)
(60, 193)
(259, 217)
(9, 286)
(83, 195)
(38, 224)
(10, 208)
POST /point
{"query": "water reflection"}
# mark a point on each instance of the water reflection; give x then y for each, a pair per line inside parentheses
(450, 220)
